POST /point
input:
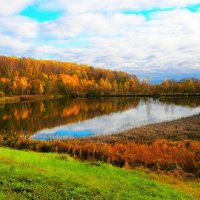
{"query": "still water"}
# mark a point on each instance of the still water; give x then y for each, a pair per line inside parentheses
(69, 118)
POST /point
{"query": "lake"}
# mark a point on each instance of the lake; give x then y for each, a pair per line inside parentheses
(73, 118)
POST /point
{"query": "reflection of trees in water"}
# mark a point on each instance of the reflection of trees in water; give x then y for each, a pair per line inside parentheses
(149, 103)
(191, 102)
(33, 116)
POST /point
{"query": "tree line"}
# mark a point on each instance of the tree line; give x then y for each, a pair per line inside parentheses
(27, 76)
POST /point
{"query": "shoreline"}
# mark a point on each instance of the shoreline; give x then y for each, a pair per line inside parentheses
(136, 95)
(147, 146)
(31, 98)
(187, 128)
(28, 98)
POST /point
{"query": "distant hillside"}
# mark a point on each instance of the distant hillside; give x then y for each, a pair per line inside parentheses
(192, 79)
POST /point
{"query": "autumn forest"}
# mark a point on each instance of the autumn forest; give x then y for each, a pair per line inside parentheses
(27, 76)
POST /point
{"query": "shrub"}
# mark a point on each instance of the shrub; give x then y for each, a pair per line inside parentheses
(2, 94)
(161, 155)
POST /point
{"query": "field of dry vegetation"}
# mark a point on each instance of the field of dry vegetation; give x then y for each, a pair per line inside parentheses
(170, 146)
(187, 128)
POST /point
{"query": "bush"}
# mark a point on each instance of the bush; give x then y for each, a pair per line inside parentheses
(2, 94)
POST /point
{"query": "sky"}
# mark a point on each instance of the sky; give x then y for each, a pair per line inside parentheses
(155, 38)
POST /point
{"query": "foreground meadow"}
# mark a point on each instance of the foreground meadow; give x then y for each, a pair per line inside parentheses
(168, 146)
(30, 175)
(158, 161)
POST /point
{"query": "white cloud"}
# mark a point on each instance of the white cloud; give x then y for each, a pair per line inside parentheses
(83, 6)
(19, 26)
(9, 7)
(169, 42)
(10, 45)
(92, 25)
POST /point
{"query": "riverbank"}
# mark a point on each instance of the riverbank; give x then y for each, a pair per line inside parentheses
(168, 146)
(156, 95)
(39, 97)
(28, 98)
(187, 128)
(153, 95)
(4, 100)
(29, 175)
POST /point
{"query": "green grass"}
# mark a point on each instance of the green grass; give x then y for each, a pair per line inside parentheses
(30, 175)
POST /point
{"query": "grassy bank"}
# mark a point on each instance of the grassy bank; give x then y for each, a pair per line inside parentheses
(152, 95)
(30, 98)
(39, 97)
(29, 175)
(4, 100)
(14, 99)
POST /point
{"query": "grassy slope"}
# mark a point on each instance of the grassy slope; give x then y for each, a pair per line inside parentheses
(29, 175)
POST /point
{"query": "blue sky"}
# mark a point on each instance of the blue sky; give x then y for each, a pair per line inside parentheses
(157, 38)
(34, 12)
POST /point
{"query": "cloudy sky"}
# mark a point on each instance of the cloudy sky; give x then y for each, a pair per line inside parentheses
(157, 38)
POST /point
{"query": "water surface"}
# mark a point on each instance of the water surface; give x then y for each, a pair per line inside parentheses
(69, 118)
